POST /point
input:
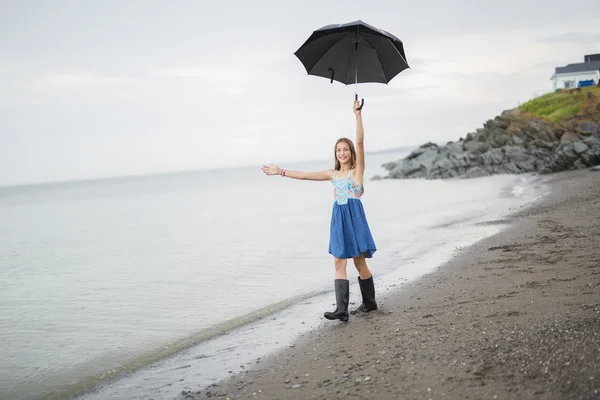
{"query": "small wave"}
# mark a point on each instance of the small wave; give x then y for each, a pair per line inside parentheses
(517, 190)
(92, 383)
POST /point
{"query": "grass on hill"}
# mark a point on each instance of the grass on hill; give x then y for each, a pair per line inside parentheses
(558, 106)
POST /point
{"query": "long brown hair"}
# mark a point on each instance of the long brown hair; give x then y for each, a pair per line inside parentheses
(352, 153)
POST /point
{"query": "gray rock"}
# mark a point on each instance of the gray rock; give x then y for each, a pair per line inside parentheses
(592, 141)
(423, 149)
(502, 122)
(565, 156)
(499, 139)
(580, 147)
(493, 157)
(476, 172)
(443, 168)
(570, 136)
(521, 159)
(578, 164)
(508, 168)
(592, 156)
(588, 128)
(417, 163)
(389, 165)
(543, 144)
(517, 140)
(507, 144)
(476, 147)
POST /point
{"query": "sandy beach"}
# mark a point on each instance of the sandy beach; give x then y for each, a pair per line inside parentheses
(515, 316)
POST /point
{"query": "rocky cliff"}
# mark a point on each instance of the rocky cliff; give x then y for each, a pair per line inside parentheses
(555, 132)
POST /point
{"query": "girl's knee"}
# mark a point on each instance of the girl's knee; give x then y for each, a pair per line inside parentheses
(361, 266)
(360, 262)
(340, 263)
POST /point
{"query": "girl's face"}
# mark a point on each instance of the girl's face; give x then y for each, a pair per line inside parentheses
(342, 152)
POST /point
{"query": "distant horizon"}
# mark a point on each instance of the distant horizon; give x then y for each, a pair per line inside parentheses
(201, 169)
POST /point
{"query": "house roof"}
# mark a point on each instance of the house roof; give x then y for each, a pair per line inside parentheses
(580, 67)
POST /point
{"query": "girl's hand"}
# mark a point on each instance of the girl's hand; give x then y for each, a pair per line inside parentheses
(271, 169)
(357, 112)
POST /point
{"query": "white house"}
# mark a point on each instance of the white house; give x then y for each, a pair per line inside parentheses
(582, 74)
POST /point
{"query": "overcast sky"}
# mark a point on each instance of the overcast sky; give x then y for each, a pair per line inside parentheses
(92, 89)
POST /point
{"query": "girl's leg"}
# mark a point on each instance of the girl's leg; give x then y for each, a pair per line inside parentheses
(340, 268)
(361, 266)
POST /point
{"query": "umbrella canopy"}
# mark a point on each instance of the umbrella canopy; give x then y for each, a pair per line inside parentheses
(355, 52)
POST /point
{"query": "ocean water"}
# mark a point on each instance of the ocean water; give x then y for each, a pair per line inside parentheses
(142, 287)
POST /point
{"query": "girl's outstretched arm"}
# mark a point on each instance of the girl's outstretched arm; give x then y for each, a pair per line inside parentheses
(360, 139)
(273, 169)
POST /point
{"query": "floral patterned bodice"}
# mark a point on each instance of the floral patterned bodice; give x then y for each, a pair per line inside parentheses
(346, 188)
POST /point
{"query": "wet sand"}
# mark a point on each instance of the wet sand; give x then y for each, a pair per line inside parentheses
(515, 316)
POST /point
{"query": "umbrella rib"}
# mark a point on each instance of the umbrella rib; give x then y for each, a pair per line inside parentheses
(400, 54)
(395, 48)
(378, 58)
(328, 50)
(349, 65)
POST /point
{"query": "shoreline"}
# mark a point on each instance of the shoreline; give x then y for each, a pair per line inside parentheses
(515, 315)
(237, 344)
(232, 351)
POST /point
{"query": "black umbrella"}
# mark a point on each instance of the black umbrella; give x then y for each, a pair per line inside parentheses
(355, 52)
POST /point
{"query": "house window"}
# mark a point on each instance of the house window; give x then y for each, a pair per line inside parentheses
(569, 84)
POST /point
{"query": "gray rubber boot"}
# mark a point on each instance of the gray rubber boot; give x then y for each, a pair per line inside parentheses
(342, 298)
(367, 290)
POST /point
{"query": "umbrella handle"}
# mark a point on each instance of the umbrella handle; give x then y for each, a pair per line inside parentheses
(362, 101)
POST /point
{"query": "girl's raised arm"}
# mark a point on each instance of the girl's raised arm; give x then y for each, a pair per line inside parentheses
(273, 169)
(360, 139)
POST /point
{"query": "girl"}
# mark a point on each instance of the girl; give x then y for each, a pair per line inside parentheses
(350, 236)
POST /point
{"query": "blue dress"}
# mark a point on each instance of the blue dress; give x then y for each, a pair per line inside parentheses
(349, 233)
